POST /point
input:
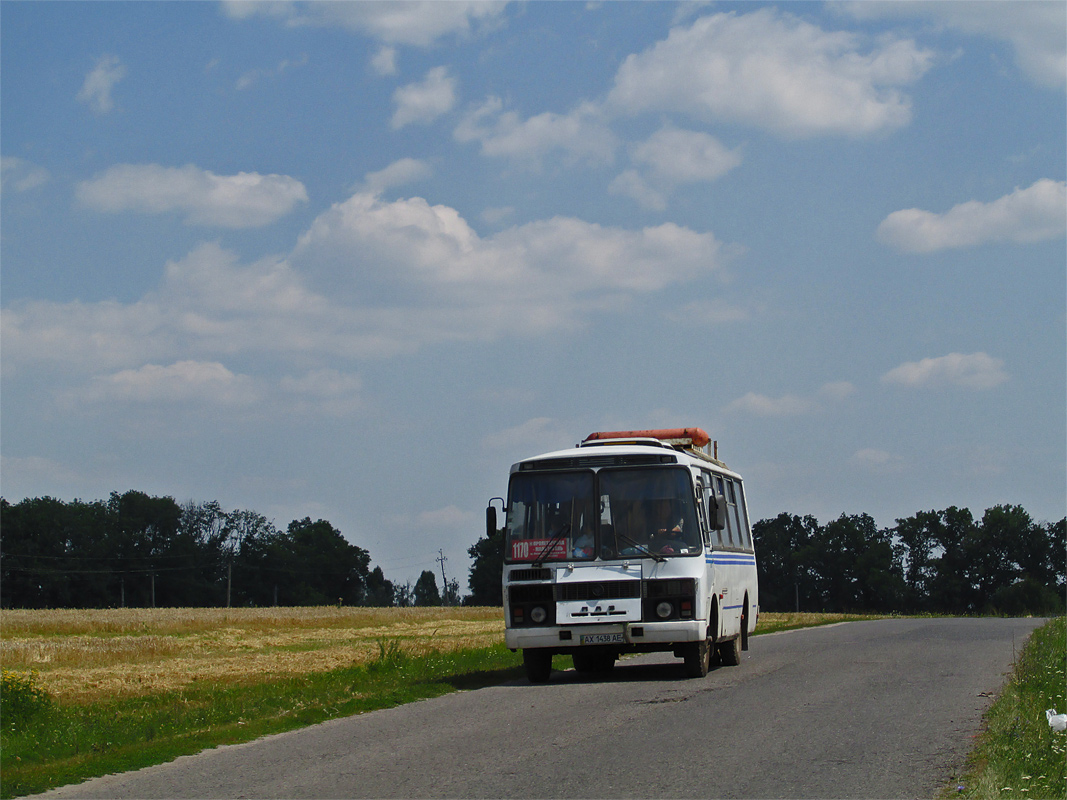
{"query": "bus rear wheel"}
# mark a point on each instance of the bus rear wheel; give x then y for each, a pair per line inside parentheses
(538, 664)
(744, 626)
(730, 652)
(697, 657)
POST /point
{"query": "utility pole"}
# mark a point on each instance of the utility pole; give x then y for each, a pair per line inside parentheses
(442, 558)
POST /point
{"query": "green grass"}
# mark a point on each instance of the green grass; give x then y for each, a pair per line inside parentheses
(1018, 755)
(57, 744)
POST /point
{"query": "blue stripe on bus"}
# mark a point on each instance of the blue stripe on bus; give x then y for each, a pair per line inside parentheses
(731, 559)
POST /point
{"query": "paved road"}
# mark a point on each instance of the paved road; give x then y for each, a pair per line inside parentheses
(865, 709)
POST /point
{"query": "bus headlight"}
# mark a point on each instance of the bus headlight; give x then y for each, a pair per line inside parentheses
(664, 610)
(538, 615)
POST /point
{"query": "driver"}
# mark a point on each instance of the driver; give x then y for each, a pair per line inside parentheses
(667, 537)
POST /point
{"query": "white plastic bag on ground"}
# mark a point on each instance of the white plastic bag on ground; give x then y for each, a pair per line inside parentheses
(1057, 721)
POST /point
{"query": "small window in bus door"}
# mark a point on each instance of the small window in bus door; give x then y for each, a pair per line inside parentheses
(703, 493)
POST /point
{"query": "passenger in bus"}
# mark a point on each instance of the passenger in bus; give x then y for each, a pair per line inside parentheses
(584, 544)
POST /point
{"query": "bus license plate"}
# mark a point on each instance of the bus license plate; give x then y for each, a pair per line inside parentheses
(601, 638)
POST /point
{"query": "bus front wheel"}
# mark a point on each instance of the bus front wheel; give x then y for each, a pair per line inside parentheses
(697, 657)
(538, 664)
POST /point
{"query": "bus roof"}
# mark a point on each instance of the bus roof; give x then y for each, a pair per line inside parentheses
(629, 451)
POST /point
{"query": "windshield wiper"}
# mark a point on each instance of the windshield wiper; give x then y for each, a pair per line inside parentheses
(559, 535)
(640, 547)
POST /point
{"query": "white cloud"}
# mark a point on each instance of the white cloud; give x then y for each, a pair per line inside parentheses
(244, 200)
(208, 306)
(629, 183)
(384, 61)
(675, 156)
(96, 90)
(773, 70)
(368, 279)
(877, 461)
(791, 405)
(399, 173)
(253, 76)
(412, 23)
(1026, 215)
(1034, 30)
(670, 158)
(973, 371)
(495, 216)
(181, 382)
(527, 277)
(426, 101)
(582, 134)
(21, 175)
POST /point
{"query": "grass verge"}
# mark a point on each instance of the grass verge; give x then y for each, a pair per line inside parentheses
(1018, 754)
(61, 744)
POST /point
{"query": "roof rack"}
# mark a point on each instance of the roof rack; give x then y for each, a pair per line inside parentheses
(674, 437)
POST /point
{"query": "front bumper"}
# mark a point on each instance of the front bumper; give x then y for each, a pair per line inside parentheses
(644, 635)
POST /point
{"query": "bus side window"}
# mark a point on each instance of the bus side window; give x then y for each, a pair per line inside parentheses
(723, 489)
(714, 487)
(743, 510)
(733, 515)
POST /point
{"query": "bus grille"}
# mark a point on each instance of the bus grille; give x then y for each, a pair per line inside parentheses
(536, 593)
(529, 574)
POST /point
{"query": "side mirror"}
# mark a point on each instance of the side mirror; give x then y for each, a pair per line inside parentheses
(490, 522)
(718, 512)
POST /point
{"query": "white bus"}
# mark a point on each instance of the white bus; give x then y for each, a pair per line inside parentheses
(633, 541)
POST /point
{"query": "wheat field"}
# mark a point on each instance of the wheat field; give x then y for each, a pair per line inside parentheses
(86, 655)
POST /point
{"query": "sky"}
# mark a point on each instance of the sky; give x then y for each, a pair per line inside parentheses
(351, 261)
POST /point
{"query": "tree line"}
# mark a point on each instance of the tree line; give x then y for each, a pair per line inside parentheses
(137, 550)
(934, 561)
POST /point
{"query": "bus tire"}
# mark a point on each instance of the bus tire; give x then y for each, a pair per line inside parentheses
(744, 626)
(538, 664)
(730, 652)
(698, 659)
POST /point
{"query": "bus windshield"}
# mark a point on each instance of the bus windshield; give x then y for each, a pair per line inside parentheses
(616, 513)
(550, 517)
